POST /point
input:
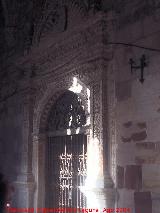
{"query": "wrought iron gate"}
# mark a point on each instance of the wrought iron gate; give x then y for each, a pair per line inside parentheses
(66, 171)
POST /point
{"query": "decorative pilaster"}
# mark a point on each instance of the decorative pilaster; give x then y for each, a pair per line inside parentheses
(25, 182)
(39, 142)
(103, 191)
(108, 124)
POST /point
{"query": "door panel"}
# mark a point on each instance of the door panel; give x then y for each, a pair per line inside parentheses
(66, 171)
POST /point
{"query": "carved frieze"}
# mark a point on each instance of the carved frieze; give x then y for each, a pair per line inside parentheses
(72, 48)
(96, 110)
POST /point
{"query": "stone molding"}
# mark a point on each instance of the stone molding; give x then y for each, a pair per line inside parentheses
(111, 99)
(85, 36)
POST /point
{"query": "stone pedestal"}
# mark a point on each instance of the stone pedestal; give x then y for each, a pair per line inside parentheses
(25, 187)
(109, 190)
(102, 195)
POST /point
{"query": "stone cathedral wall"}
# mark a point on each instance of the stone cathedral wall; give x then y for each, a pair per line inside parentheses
(137, 111)
(133, 108)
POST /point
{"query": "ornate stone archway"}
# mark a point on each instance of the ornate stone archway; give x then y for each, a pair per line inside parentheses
(85, 56)
(93, 80)
(39, 136)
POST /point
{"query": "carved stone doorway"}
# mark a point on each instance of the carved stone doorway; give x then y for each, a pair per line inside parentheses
(66, 153)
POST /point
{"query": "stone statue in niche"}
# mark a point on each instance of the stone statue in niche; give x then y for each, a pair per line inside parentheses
(67, 113)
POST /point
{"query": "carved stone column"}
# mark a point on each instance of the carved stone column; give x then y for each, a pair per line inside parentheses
(25, 181)
(39, 142)
(103, 192)
(107, 108)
